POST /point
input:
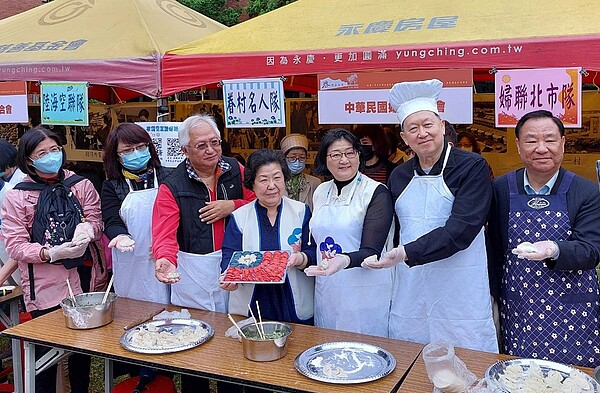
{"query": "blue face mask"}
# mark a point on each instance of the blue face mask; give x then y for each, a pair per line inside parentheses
(136, 160)
(50, 163)
(296, 167)
(2, 175)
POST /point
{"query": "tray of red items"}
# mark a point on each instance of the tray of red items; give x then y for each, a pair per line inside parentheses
(265, 267)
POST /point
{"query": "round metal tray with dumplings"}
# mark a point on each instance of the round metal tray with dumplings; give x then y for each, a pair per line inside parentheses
(173, 326)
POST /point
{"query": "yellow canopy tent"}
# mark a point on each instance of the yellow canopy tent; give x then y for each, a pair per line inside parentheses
(313, 36)
(106, 42)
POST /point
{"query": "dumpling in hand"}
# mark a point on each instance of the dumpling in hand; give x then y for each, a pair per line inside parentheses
(527, 247)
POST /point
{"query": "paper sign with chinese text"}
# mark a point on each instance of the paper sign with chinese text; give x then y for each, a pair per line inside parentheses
(64, 103)
(13, 102)
(557, 90)
(254, 103)
(166, 141)
(362, 97)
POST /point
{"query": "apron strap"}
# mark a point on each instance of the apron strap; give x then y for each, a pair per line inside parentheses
(566, 182)
(513, 187)
(155, 184)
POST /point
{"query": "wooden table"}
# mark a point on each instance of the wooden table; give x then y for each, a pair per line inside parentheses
(477, 362)
(219, 358)
(12, 300)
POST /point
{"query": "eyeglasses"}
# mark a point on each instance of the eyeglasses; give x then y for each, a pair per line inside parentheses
(42, 153)
(296, 158)
(203, 146)
(126, 152)
(338, 156)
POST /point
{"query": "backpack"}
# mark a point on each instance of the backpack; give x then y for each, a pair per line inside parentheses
(57, 213)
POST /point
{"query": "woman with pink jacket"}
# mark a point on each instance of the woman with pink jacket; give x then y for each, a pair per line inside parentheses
(45, 267)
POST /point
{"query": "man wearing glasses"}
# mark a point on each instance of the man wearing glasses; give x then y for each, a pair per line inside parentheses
(188, 220)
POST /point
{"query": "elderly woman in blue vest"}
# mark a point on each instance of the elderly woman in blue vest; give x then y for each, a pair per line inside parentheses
(352, 220)
(133, 173)
(272, 222)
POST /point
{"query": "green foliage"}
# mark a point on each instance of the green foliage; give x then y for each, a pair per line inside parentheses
(215, 9)
(259, 7)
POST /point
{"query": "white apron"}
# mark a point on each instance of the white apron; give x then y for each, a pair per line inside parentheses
(356, 299)
(199, 283)
(448, 299)
(135, 271)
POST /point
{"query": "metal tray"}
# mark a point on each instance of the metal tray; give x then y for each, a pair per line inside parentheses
(492, 375)
(345, 362)
(169, 325)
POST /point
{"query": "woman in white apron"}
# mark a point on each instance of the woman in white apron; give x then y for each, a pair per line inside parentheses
(442, 288)
(133, 175)
(352, 220)
(272, 222)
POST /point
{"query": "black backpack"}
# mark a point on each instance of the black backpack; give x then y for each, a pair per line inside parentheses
(57, 213)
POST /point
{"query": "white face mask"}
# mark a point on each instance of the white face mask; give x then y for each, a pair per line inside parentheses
(466, 148)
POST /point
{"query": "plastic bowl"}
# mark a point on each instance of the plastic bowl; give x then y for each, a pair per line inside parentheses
(88, 312)
(268, 349)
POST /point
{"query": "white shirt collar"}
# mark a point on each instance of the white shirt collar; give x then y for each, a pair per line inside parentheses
(546, 188)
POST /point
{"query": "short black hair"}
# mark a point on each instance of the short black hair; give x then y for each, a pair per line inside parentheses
(8, 155)
(328, 139)
(260, 158)
(450, 134)
(540, 114)
(27, 145)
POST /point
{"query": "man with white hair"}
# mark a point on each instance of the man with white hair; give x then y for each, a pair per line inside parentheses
(441, 199)
(188, 219)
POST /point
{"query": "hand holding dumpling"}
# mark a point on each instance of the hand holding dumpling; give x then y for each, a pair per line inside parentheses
(123, 243)
(537, 251)
(327, 267)
(389, 259)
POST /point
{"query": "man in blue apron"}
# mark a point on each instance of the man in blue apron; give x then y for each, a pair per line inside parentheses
(442, 197)
(545, 236)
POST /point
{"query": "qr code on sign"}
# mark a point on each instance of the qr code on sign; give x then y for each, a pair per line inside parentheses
(173, 148)
(158, 145)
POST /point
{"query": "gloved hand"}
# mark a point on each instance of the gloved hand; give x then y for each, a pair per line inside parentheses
(84, 233)
(296, 259)
(327, 267)
(164, 269)
(66, 250)
(123, 243)
(543, 250)
(226, 286)
(389, 259)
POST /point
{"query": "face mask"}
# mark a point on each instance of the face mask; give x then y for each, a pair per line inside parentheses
(466, 148)
(50, 163)
(367, 151)
(136, 160)
(2, 175)
(296, 167)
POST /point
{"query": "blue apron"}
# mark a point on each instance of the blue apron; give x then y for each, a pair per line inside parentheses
(547, 314)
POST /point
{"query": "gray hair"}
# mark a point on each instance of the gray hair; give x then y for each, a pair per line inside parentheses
(192, 122)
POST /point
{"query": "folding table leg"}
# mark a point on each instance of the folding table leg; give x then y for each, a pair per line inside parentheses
(29, 367)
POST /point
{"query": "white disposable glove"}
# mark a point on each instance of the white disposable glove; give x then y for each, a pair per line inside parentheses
(66, 250)
(84, 233)
(327, 267)
(389, 259)
(296, 259)
(123, 243)
(537, 251)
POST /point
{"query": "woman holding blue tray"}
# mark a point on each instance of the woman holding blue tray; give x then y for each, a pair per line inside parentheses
(272, 222)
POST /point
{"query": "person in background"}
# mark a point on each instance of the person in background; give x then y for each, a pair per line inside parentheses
(467, 142)
(450, 134)
(352, 220)
(41, 157)
(272, 222)
(188, 222)
(442, 199)
(299, 186)
(375, 151)
(10, 173)
(546, 241)
(143, 115)
(395, 154)
(133, 175)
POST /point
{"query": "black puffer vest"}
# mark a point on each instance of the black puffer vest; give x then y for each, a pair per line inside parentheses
(193, 235)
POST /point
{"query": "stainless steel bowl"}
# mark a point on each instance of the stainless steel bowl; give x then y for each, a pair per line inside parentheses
(266, 350)
(88, 312)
